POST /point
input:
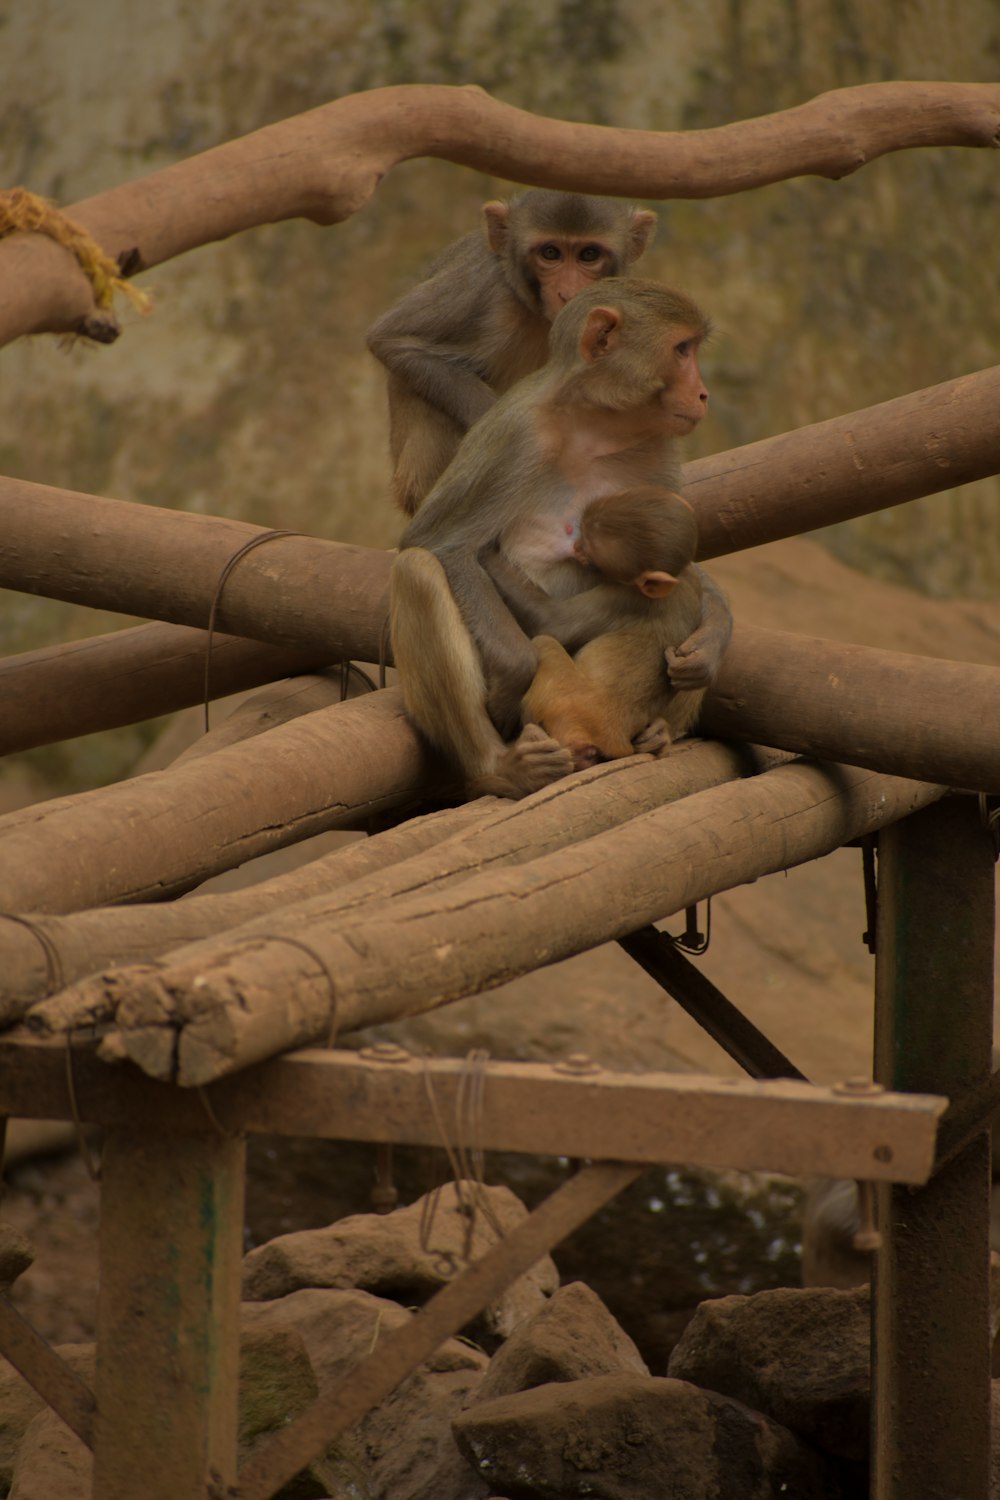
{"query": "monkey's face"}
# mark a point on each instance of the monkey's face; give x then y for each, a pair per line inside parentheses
(556, 267)
(683, 397)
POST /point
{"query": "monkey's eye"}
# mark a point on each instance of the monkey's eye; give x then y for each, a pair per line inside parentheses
(550, 252)
(590, 253)
(684, 348)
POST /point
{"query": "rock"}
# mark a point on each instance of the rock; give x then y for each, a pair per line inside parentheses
(16, 1256)
(634, 1437)
(404, 1450)
(20, 1403)
(406, 1256)
(52, 1462)
(276, 1383)
(800, 1355)
(572, 1337)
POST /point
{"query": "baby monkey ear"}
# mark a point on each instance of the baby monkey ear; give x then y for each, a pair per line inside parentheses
(655, 585)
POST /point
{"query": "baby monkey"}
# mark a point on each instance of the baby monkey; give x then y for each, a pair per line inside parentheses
(601, 688)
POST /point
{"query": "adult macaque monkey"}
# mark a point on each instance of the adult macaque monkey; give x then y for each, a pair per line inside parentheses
(621, 384)
(480, 321)
(613, 696)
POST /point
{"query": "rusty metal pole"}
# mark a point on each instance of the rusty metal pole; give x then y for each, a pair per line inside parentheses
(933, 1031)
(171, 1245)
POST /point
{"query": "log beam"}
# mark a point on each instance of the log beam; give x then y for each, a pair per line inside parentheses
(909, 715)
(324, 598)
(558, 1108)
(318, 596)
(324, 165)
(482, 835)
(218, 1007)
(125, 676)
(160, 834)
(917, 444)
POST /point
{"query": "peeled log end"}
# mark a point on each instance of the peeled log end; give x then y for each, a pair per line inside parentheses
(230, 1036)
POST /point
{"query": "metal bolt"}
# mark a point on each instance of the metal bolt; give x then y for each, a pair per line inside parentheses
(384, 1052)
(856, 1086)
(577, 1065)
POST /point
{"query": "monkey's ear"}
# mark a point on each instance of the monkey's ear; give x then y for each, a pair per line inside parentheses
(655, 585)
(600, 333)
(641, 232)
(495, 215)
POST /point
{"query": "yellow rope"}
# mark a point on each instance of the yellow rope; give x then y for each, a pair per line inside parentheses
(22, 210)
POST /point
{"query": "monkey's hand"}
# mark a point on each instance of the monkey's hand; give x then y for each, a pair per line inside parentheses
(695, 662)
(654, 739)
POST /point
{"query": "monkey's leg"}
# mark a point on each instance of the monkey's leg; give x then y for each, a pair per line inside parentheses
(422, 441)
(565, 701)
(445, 692)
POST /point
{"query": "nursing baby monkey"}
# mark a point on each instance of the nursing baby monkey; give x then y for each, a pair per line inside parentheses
(601, 688)
(601, 417)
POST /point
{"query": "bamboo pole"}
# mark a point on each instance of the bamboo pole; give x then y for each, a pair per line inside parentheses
(499, 833)
(325, 164)
(248, 998)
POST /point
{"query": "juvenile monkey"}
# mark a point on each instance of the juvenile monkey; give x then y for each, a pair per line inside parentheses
(621, 384)
(480, 320)
(612, 695)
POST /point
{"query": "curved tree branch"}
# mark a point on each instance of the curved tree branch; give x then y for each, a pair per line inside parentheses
(325, 164)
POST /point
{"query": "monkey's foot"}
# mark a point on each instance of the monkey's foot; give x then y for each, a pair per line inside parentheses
(531, 762)
(584, 755)
(655, 739)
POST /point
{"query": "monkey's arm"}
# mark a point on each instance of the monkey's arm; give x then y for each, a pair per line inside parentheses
(531, 606)
(430, 341)
(695, 663)
(572, 621)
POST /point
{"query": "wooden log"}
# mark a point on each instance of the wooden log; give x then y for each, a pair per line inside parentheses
(98, 552)
(163, 833)
(324, 165)
(257, 996)
(501, 832)
(129, 675)
(279, 703)
(918, 444)
(40, 955)
(296, 591)
(910, 715)
(51, 860)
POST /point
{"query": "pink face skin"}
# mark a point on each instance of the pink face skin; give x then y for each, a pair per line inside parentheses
(563, 265)
(685, 397)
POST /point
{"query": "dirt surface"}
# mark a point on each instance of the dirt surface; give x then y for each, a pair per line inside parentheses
(787, 949)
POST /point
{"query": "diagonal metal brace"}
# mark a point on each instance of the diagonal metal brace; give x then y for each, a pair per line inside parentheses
(347, 1401)
(655, 952)
(47, 1372)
